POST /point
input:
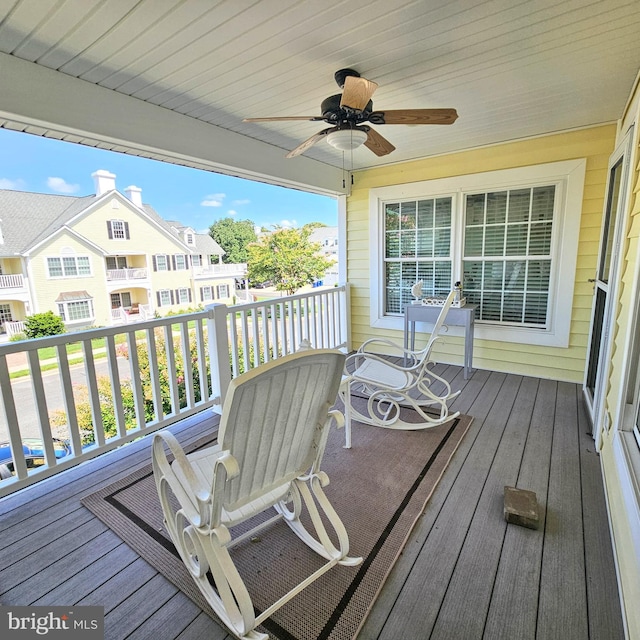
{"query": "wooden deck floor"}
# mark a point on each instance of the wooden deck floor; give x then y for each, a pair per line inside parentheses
(464, 574)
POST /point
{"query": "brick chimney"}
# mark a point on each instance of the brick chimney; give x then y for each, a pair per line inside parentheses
(135, 195)
(103, 181)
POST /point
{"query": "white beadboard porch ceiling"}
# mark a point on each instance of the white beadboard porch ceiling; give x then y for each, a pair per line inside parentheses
(511, 68)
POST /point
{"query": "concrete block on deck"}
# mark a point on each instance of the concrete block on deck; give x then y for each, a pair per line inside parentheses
(521, 507)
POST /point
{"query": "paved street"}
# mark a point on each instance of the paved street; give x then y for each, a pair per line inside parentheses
(24, 400)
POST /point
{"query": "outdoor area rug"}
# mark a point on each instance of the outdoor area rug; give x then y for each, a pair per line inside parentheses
(379, 488)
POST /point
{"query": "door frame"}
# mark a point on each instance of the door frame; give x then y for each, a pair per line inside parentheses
(596, 404)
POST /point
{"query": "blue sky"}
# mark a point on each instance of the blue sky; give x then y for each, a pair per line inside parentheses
(195, 198)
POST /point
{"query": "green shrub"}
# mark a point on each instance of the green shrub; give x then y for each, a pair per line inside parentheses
(40, 325)
(16, 337)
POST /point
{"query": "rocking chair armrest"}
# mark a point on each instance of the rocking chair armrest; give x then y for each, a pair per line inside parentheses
(338, 418)
(407, 354)
(357, 359)
(195, 490)
(382, 341)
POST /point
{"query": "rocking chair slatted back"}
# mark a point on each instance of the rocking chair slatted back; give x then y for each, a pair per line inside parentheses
(271, 410)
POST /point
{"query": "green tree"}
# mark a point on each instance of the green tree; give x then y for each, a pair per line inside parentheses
(44, 324)
(287, 258)
(233, 236)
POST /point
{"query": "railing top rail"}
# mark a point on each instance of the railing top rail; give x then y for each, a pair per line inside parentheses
(91, 334)
(298, 296)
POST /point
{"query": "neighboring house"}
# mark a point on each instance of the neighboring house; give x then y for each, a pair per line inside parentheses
(328, 239)
(102, 259)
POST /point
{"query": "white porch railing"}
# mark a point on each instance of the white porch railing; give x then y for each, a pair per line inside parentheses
(12, 281)
(238, 270)
(141, 377)
(127, 274)
(125, 316)
(12, 328)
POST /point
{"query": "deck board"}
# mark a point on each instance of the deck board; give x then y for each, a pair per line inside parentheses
(464, 571)
(513, 608)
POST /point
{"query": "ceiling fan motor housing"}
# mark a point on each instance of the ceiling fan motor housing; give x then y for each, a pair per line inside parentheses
(333, 113)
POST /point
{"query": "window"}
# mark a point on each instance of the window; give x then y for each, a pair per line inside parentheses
(118, 229)
(190, 238)
(223, 290)
(75, 311)
(508, 254)
(183, 295)
(5, 314)
(165, 298)
(196, 260)
(180, 261)
(69, 266)
(116, 262)
(510, 236)
(160, 262)
(206, 294)
(122, 299)
(417, 241)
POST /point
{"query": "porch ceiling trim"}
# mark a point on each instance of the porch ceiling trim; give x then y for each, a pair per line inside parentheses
(51, 103)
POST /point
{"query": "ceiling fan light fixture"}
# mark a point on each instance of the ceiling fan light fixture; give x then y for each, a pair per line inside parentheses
(347, 139)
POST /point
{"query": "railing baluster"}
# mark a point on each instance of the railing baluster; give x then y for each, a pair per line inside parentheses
(170, 353)
(136, 379)
(187, 366)
(94, 396)
(69, 400)
(11, 416)
(154, 373)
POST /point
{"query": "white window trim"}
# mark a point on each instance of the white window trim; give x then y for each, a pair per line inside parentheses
(61, 257)
(568, 176)
(90, 318)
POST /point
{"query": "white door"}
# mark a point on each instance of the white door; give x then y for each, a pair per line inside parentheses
(599, 347)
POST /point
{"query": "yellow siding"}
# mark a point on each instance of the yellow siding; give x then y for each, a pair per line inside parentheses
(594, 144)
(48, 289)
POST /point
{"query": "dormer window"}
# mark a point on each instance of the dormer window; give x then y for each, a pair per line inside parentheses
(190, 238)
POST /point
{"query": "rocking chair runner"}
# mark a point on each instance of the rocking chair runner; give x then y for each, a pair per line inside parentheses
(387, 386)
(272, 436)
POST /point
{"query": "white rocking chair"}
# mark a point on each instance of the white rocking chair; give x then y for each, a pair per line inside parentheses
(273, 431)
(388, 386)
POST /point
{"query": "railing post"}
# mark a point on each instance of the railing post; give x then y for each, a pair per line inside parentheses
(218, 352)
(345, 318)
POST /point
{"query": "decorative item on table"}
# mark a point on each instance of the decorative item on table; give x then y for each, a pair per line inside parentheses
(416, 291)
(438, 301)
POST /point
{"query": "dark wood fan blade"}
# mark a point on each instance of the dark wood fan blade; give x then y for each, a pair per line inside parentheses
(414, 116)
(376, 143)
(357, 92)
(307, 144)
(283, 118)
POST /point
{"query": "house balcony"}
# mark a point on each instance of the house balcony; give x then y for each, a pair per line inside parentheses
(130, 277)
(464, 573)
(13, 287)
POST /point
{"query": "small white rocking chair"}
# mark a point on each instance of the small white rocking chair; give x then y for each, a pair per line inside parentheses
(273, 432)
(388, 386)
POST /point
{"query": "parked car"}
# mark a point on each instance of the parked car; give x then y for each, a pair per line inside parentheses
(33, 450)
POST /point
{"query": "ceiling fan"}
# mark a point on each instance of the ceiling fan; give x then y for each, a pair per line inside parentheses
(347, 112)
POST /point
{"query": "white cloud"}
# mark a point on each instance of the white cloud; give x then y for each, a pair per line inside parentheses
(232, 212)
(5, 183)
(237, 202)
(61, 185)
(288, 224)
(213, 200)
